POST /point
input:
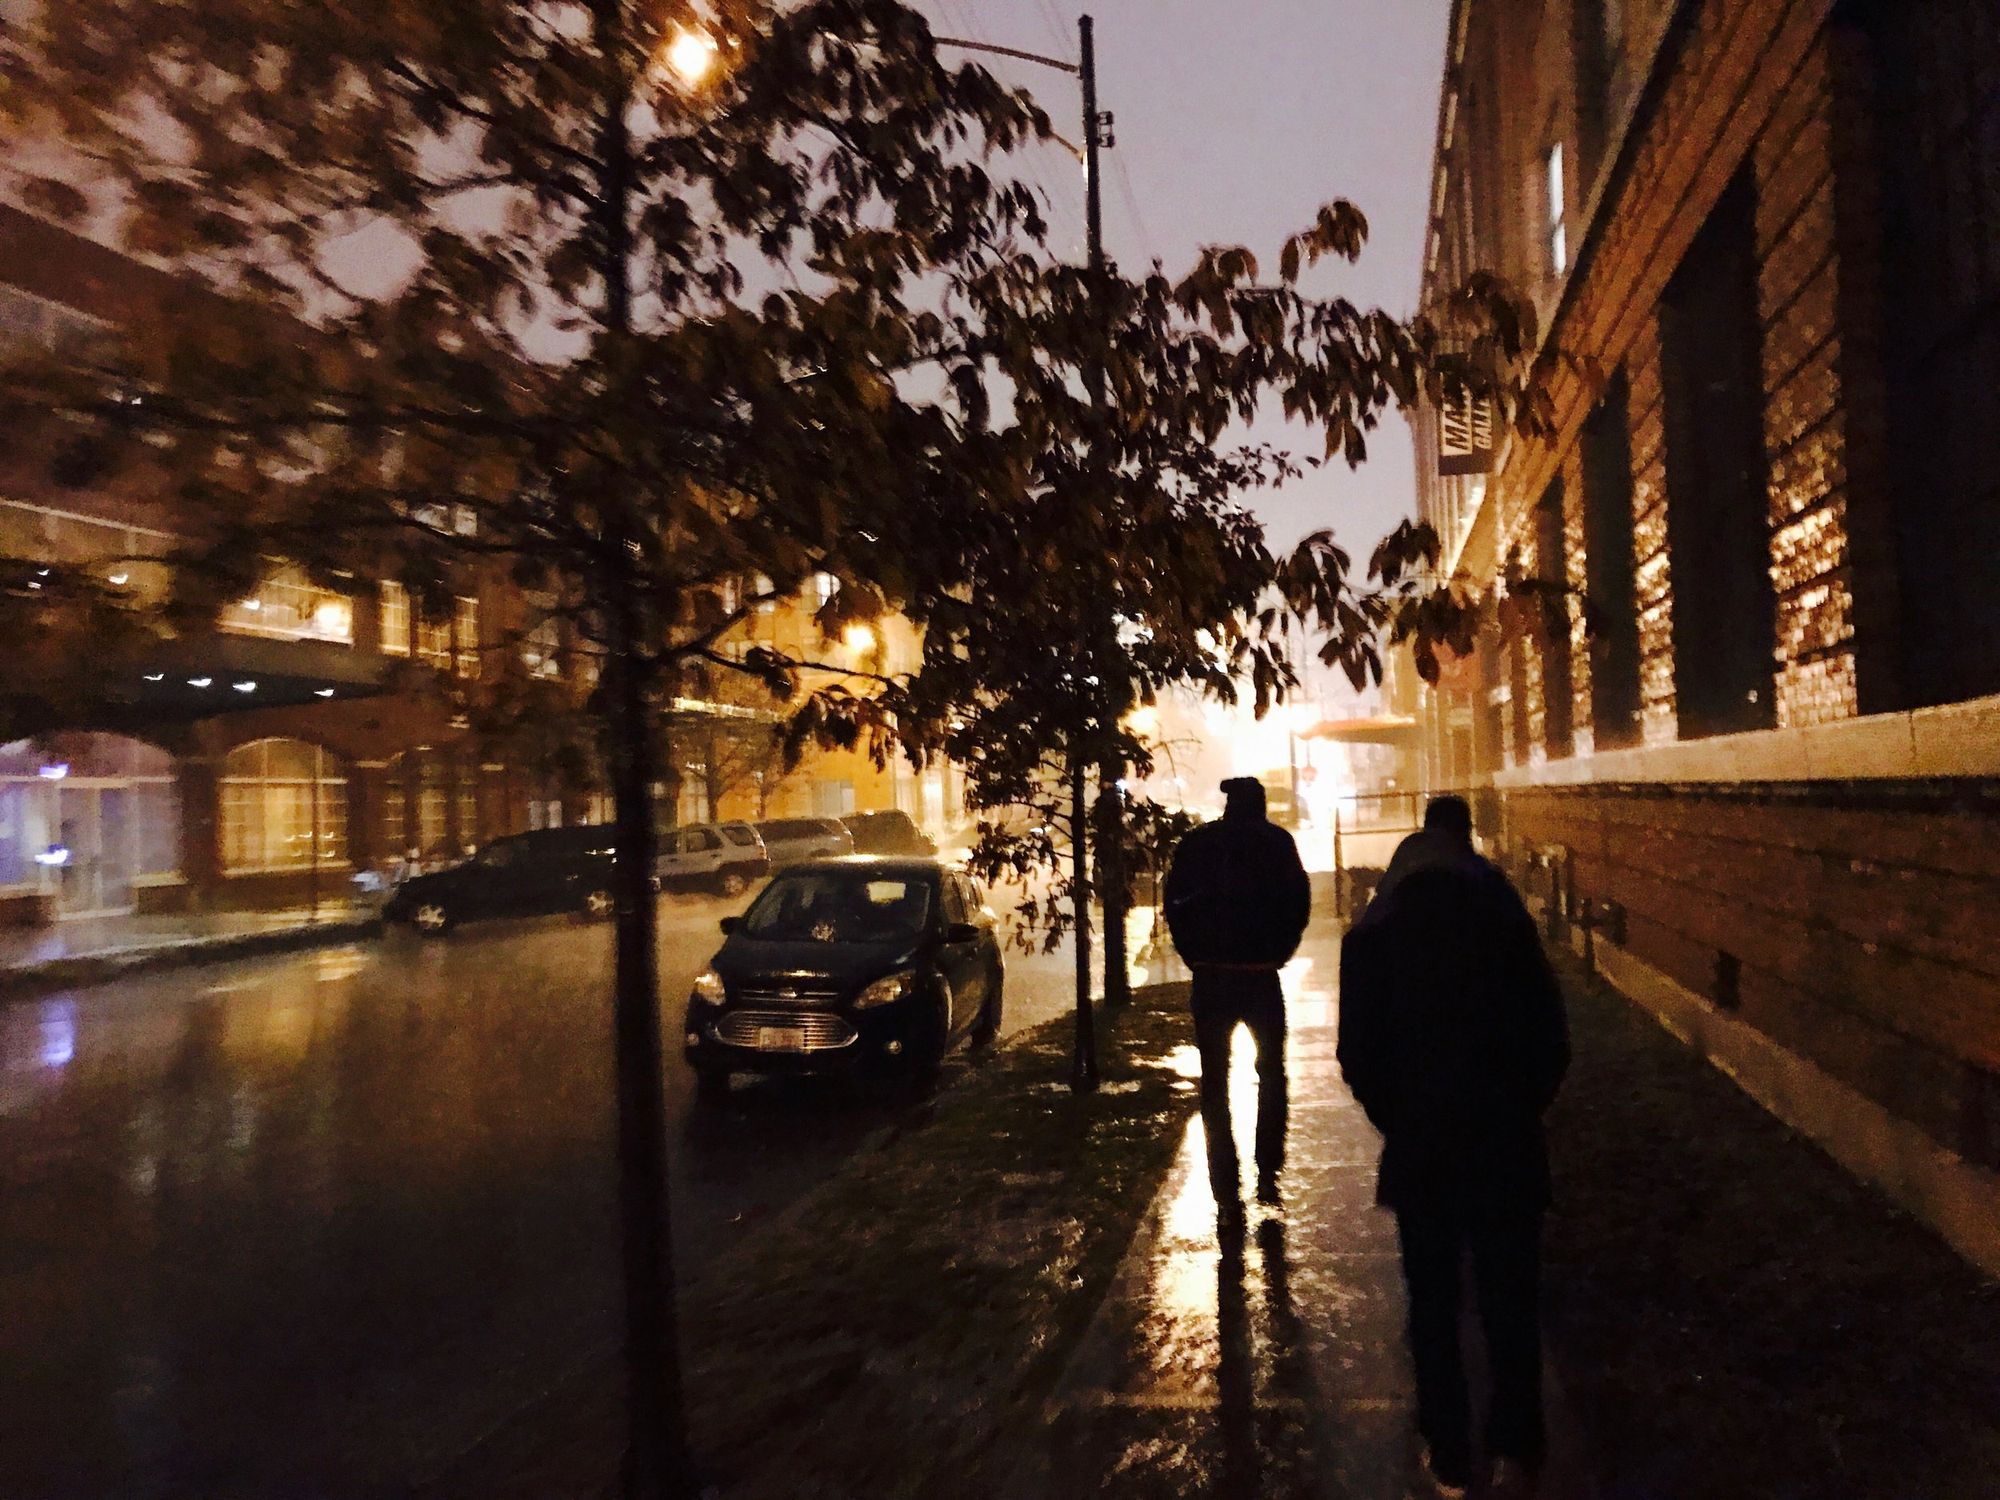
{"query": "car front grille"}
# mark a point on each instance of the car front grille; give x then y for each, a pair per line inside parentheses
(816, 1031)
(789, 994)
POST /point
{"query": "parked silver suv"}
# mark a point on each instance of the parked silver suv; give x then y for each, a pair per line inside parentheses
(724, 857)
(789, 840)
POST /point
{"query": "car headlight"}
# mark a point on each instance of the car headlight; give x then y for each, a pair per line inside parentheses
(887, 991)
(708, 987)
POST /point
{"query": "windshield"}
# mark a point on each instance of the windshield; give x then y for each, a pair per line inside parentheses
(839, 906)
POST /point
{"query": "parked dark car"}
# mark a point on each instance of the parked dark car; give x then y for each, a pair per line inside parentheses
(891, 832)
(854, 963)
(525, 874)
(789, 840)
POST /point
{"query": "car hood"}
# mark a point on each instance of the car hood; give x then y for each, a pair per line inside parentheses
(845, 964)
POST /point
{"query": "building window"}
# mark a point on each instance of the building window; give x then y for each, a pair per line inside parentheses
(467, 624)
(1557, 221)
(434, 641)
(432, 835)
(1552, 633)
(395, 812)
(468, 807)
(825, 586)
(287, 606)
(395, 618)
(1718, 528)
(1938, 134)
(1609, 585)
(284, 808)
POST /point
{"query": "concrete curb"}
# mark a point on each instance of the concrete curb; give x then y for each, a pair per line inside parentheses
(30, 981)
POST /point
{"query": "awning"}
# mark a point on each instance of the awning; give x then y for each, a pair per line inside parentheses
(1376, 729)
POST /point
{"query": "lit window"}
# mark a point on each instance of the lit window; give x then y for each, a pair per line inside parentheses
(395, 618)
(1558, 230)
(468, 636)
(825, 586)
(284, 807)
(434, 641)
(541, 650)
(289, 607)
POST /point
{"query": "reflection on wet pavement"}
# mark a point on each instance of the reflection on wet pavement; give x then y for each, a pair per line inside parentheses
(1264, 1363)
(310, 1226)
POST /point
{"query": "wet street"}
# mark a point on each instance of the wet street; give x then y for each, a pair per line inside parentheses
(313, 1225)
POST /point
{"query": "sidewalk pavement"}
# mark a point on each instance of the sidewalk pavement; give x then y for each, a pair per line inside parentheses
(1276, 1367)
(93, 949)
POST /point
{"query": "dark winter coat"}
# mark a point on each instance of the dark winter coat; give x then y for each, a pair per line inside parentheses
(1237, 895)
(1452, 1036)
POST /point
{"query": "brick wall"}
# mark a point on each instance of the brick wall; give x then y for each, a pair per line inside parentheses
(1858, 921)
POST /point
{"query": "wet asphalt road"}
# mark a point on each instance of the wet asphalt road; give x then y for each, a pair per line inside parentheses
(311, 1226)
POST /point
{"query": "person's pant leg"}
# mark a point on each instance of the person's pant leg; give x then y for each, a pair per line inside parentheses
(1432, 1246)
(1215, 1019)
(1266, 1018)
(1506, 1258)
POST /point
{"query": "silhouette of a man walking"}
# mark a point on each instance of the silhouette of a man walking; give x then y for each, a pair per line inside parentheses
(1453, 1038)
(1237, 900)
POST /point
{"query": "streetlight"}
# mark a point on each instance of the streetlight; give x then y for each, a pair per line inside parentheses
(689, 55)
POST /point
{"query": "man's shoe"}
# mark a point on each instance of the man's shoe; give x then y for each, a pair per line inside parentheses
(1446, 1481)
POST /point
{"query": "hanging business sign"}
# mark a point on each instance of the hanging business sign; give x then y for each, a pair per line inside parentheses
(1465, 428)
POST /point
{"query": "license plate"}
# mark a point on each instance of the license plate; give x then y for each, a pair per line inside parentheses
(780, 1039)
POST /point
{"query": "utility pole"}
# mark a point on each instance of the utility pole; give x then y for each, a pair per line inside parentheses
(1102, 633)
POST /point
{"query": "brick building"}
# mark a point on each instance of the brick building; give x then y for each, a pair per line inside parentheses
(1760, 725)
(313, 733)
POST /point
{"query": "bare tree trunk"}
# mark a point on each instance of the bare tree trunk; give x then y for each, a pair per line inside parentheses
(1114, 894)
(1083, 1064)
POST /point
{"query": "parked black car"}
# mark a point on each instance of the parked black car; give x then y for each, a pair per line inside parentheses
(525, 874)
(891, 832)
(864, 961)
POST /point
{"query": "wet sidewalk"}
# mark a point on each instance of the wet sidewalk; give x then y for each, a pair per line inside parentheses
(1274, 1365)
(94, 949)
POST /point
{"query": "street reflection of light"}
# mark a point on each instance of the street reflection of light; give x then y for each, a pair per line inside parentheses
(199, 682)
(244, 687)
(54, 771)
(52, 856)
(58, 1028)
(156, 677)
(119, 580)
(322, 692)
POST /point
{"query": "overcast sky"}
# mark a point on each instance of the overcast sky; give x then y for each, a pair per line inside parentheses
(1234, 122)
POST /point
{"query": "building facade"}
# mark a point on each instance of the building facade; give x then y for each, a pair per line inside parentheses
(315, 733)
(1752, 727)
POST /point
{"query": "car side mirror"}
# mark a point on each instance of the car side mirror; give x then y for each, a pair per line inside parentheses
(729, 924)
(961, 932)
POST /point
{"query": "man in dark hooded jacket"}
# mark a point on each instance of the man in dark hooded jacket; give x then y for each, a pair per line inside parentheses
(1453, 1039)
(1237, 900)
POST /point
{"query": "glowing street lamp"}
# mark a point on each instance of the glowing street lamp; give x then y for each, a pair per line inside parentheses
(689, 56)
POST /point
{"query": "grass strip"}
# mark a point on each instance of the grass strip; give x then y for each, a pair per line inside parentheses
(1737, 1316)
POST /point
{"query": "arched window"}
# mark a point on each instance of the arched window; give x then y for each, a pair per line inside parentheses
(284, 807)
